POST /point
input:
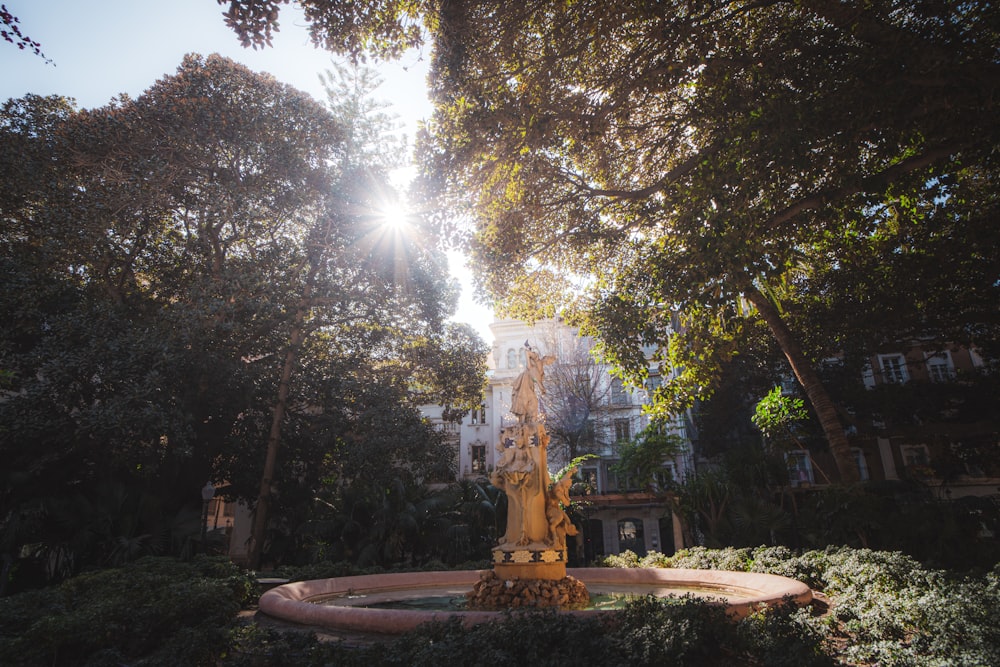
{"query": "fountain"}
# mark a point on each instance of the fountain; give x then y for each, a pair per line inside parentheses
(529, 561)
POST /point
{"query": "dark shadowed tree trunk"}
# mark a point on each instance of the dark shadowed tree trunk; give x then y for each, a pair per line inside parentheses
(815, 391)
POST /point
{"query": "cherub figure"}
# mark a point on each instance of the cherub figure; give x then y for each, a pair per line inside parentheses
(559, 523)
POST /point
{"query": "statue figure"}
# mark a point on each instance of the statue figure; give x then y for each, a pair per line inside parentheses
(528, 386)
(519, 471)
(559, 523)
(536, 523)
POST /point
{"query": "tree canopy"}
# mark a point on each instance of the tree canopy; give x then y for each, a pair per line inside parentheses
(203, 273)
(693, 156)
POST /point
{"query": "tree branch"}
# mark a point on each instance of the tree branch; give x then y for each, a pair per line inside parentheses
(868, 184)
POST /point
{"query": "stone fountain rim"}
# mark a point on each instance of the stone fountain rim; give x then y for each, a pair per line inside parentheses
(295, 601)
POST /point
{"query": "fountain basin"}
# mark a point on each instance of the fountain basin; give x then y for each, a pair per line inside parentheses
(300, 602)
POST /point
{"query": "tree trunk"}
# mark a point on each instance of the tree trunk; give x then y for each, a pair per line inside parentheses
(811, 384)
(262, 511)
(273, 445)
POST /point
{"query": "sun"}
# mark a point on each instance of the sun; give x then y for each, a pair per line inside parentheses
(395, 217)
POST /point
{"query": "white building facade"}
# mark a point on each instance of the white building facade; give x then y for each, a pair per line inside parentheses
(616, 515)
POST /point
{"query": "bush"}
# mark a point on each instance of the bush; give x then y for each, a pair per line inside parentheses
(783, 636)
(254, 646)
(782, 561)
(700, 558)
(885, 607)
(156, 611)
(535, 637)
(674, 631)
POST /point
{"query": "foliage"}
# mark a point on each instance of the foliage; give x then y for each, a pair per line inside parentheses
(11, 32)
(851, 308)
(573, 465)
(403, 525)
(385, 27)
(647, 453)
(783, 636)
(744, 500)
(154, 612)
(885, 608)
(208, 310)
(777, 414)
(660, 153)
(685, 630)
(649, 631)
(663, 166)
(255, 645)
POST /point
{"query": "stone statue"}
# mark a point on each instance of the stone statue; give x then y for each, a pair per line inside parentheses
(528, 386)
(535, 522)
(529, 561)
(559, 524)
(521, 472)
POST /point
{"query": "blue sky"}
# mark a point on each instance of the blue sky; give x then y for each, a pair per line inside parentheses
(103, 48)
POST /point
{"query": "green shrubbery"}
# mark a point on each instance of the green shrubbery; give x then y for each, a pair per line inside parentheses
(156, 611)
(884, 608)
(650, 631)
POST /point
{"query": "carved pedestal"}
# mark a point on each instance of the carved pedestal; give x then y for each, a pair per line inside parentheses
(531, 562)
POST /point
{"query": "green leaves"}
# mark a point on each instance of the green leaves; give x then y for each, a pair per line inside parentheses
(777, 414)
(159, 258)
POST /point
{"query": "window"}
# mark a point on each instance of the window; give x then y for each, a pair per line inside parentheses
(479, 458)
(631, 536)
(618, 394)
(914, 455)
(859, 459)
(620, 482)
(653, 383)
(799, 467)
(478, 415)
(511, 358)
(589, 476)
(664, 477)
(893, 368)
(623, 430)
(940, 367)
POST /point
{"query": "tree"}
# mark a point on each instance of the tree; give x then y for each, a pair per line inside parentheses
(689, 156)
(777, 415)
(645, 456)
(197, 274)
(577, 390)
(11, 32)
(141, 249)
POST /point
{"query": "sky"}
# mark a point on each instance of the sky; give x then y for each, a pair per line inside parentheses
(102, 48)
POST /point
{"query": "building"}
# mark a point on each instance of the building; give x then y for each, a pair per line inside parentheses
(920, 421)
(588, 411)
